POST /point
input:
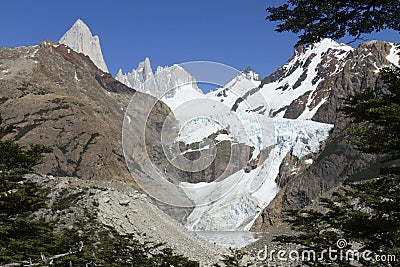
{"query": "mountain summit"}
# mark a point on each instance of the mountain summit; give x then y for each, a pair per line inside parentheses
(138, 76)
(80, 39)
(174, 85)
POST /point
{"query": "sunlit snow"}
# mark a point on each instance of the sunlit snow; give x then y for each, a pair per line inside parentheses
(250, 114)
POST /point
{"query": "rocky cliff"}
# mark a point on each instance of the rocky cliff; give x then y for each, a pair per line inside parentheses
(337, 160)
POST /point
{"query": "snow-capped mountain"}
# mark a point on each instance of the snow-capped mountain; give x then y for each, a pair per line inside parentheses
(284, 103)
(138, 76)
(273, 116)
(80, 39)
(352, 71)
(249, 111)
(173, 85)
(243, 83)
(293, 91)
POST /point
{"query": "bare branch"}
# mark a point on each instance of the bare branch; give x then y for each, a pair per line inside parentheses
(46, 261)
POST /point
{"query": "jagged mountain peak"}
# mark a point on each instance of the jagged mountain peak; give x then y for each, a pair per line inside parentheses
(119, 73)
(251, 74)
(164, 83)
(80, 39)
(137, 77)
(304, 54)
(248, 69)
(81, 25)
(388, 49)
(144, 68)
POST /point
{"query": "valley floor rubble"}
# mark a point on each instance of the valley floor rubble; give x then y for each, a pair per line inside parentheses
(123, 208)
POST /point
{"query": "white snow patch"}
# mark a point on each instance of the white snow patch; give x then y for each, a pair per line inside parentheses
(394, 56)
(377, 69)
(194, 150)
(184, 94)
(224, 137)
(34, 53)
(308, 161)
(308, 114)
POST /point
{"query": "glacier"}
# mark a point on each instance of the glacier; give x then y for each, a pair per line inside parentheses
(245, 195)
(251, 111)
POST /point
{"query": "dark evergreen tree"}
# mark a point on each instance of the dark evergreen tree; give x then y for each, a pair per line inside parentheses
(24, 238)
(21, 237)
(314, 20)
(368, 213)
(365, 218)
(377, 118)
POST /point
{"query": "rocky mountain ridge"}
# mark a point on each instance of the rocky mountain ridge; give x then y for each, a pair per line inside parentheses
(59, 98)
(337, 160)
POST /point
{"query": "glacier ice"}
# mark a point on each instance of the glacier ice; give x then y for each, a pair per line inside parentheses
(235, 202)
(249, 193)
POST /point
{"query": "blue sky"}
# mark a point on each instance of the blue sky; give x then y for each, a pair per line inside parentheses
(232, 32)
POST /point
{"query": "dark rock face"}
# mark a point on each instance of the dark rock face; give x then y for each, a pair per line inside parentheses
(359, 72)
(59, 98)
(296, 108)
(337, 159)
(288, 169)
(229, 158)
